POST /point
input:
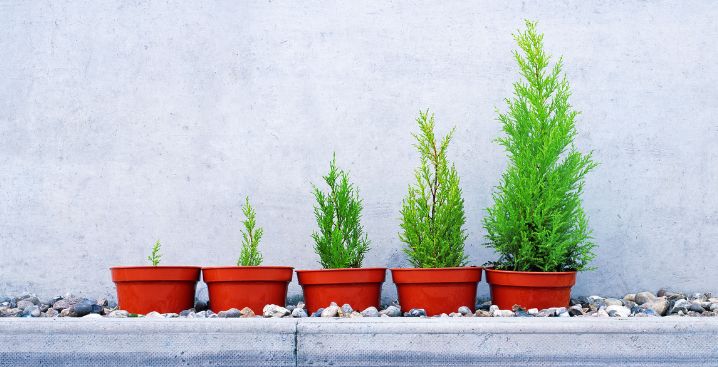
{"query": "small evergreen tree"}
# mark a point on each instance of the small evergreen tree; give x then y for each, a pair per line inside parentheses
(155, 256)
(250, 255)
(433, 211)
(537, 222)
(340, 241)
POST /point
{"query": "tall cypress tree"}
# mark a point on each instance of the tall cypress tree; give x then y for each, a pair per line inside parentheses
(537, 222)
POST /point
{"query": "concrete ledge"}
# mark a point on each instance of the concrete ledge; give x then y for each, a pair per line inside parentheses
(146, 342)
(353, 342)
(509, 342)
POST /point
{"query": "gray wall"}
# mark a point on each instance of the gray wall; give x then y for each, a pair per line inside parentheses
(126, 122)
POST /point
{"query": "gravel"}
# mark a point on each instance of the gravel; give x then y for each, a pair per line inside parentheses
(641, 304)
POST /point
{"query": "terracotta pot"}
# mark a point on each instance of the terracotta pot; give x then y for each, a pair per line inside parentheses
(360, 287)
(437, 291)
(247, 286)
(530, 289)
(165, 289)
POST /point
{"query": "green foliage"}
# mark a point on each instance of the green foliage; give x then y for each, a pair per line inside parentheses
(250, 255)
(537, 222)
(433, 211)
(155, 256)
(340, 242)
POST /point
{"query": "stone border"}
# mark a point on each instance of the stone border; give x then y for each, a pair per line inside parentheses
(351, 342)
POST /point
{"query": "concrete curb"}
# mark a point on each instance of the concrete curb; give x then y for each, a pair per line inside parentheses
(353, 342)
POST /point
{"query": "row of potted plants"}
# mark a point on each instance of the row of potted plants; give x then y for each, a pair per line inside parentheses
(536, 225)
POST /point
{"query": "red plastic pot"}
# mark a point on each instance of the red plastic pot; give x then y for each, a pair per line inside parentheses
(165, 289)
(247, 286)
(359, 287)
(437, 291)
(530, 289)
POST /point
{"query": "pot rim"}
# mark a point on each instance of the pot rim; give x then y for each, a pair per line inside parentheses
(455, 275)
(341, 276)
(490, 269)
(144, 267)
(337, 270)
(238, 267)
(434, 269)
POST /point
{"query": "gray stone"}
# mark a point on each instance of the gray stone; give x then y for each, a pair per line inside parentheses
(61, 305)
(503, 313)
(231, 313)
(331, 311)
(201, 315)
(644, 297)
(184, 313)
(299, 312)
(493, 308)
(275, 311)
(416, 312)
(465, 310)
(51, 312)
(695, 307)
(659, 305)
(354, 315)
(247, 312)
(118, 314)
(391, 311)
(613, 302)
(200, 305)
(573, 312)
(23, 304)
(80, 309)
(370, 311)
(171, 315)
(620, 311)
(482, 313)
(318, 312)
(680, 306)
(630, 297)
(347, 309)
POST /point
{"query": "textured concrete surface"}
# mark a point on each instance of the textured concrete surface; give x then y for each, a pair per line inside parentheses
(135, 342)
(359, 342)
(124, 122)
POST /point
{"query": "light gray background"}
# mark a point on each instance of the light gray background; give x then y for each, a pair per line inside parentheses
(126, 122)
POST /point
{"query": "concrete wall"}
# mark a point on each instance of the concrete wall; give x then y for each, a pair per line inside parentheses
(126, 122)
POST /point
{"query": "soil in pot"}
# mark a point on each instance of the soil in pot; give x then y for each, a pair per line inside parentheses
(165, 289)
(359, 287)
(530, 289)
(437, 291)
(247, 286)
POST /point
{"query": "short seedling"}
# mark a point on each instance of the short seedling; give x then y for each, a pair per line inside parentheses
(155, 256)
(537, 222)
(250, 255)
(340, 241)
(433, 211)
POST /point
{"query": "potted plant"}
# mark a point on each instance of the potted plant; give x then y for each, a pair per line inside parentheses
(248, 284)
(341, 244)
(165, 289)
(537, 225)
(432, 223)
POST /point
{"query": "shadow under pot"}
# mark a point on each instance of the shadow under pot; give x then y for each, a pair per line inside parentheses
(247, 286)
(530, 289)
(359, 287)
(437, 290)
(165, 289)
